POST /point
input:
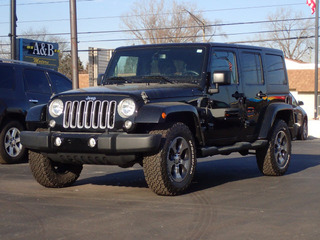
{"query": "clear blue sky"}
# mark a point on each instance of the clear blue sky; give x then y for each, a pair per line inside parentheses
(103, 15)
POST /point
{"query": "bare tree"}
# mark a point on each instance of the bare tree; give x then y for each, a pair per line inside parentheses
(4, 49)
(157, 22)
(290, 33)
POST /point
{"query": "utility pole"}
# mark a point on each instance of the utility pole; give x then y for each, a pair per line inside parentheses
(316, 64)
(74, 44)
(13, 34)
(200, 23)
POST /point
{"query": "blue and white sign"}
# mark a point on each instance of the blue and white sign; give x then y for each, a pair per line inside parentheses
(43, 53)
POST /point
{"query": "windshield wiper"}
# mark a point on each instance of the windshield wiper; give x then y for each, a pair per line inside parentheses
(158, 77)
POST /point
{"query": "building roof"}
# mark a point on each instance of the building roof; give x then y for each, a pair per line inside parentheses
(301, 76)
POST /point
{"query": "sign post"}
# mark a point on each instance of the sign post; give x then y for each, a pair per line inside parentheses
(74, 44)
(316, 64)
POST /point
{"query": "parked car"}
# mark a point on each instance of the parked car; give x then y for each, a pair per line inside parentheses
(22, 86)
(163, 106)
(300, 118)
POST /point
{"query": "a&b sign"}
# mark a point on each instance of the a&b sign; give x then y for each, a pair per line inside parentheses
(39, 52)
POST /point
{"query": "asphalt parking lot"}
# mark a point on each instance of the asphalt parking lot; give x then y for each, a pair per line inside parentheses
(228, 199)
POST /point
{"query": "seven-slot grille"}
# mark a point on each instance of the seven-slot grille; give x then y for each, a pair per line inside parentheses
(89, 114)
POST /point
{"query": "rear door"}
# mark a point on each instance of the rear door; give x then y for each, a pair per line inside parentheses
(255, 91)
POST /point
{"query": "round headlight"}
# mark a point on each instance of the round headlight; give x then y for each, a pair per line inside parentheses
(56, 108)
(126, 108)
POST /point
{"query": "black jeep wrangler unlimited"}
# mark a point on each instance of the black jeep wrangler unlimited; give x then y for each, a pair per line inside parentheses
(162, 106)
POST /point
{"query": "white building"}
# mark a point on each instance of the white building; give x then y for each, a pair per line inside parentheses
(301, 84)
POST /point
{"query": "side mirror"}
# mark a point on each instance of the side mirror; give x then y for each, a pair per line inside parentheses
(300, 103)
(100, 79)
(220, 78)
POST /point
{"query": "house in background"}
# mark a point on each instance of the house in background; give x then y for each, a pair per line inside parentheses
(301, 84)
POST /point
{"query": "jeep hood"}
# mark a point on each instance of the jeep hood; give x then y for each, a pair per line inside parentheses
(152, 91)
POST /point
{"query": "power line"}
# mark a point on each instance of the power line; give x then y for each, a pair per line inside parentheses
(165, 28)
(237, 42)
(168, 13)
(43, 3)
(197, 36)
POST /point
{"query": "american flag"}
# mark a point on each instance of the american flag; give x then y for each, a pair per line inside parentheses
(312, 5)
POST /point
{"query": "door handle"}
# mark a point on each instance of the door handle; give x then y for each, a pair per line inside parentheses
(33, 100)
(261, 94)
(237, 95)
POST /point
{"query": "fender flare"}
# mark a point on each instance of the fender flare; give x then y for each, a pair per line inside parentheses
(273, 111)
(153, 113)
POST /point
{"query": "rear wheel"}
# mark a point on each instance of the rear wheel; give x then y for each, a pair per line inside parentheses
(11, 149)
(52, 174)
(171, 171)
(274, 159)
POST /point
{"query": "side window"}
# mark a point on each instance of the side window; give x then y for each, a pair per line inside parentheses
(225, 61)
(251, 68)
(36, 81)
(6, 77)
(59, 83)
(275, 69)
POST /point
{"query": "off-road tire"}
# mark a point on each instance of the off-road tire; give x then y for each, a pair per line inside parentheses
(274, 159)
(303, 133)
(52, 174)
(171, 170)
(11, 149)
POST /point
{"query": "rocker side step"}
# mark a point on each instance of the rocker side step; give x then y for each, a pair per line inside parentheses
(239, 146)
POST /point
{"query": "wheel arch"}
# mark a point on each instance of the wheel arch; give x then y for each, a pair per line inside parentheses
(11, 116)
(273, 112)
(162, 113)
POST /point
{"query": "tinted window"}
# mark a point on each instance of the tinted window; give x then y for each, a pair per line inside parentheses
(251, 68)
(126, 66)
(275, 69)
(36, 81)
(6, 77)
(149, 64)
(59, 82)
(225, 61)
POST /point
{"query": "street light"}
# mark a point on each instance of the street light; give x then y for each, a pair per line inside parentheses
(200, 23)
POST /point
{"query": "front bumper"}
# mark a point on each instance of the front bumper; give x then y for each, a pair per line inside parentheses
(112, 149)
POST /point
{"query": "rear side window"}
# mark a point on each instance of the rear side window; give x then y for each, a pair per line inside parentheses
(6, 77)
(275, 69)
(59, 82)
(36, 81)
(251, 68)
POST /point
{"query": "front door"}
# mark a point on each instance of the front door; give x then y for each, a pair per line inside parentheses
(224, 109)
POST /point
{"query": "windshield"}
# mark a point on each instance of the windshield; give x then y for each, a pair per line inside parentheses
(165, 65)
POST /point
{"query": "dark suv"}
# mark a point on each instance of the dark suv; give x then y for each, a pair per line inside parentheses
(22, 86)
(162, 106)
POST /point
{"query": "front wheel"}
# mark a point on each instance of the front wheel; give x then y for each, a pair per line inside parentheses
(53, 174)
(274, 159)
(171, 171)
